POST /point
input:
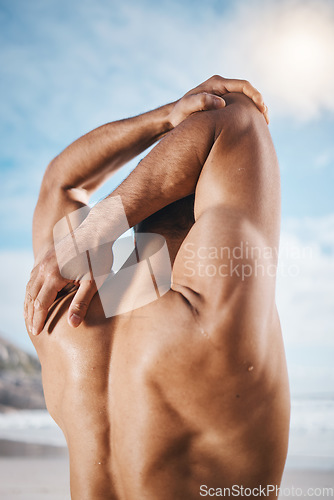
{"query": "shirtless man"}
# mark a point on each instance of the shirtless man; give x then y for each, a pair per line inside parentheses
(189, 393)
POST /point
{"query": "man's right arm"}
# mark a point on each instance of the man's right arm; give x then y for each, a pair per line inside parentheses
(226, 267)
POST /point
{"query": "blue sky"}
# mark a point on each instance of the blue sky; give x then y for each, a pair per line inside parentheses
(67, 67)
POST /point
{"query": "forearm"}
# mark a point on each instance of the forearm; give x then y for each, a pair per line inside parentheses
(168, 173)
(88, 161)
(83, 166)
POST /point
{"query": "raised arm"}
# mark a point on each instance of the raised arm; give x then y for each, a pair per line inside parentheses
(82, 167)
(76, 172)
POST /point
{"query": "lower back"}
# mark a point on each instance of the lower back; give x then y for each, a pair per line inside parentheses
(183, 419)
(151, 410)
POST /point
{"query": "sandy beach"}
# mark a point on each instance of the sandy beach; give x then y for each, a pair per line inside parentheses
(35, 472)
(34, 478)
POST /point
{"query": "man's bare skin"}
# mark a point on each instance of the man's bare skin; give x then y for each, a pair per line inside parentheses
(192, 388)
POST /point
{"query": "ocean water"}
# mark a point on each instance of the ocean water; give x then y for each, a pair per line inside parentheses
(311, 432)
(311, 442)
(31, 426)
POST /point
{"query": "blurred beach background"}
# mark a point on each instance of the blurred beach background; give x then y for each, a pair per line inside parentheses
(67, 67)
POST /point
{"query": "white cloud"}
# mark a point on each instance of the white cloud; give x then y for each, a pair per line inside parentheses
(315, 231)
(324, 159)
(306, 302)
(305, 281)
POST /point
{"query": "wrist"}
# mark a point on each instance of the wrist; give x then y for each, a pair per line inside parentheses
(106, 221)
(177, 113)
(166, 118)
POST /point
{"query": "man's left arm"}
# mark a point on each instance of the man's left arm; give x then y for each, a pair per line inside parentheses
(72, 177)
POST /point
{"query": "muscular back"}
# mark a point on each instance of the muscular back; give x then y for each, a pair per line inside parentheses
(148, 404)
(191, 389)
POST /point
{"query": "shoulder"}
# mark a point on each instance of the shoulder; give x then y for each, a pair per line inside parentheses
(226, 268)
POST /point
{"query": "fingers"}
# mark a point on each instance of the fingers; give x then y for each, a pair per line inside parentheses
(211, 101)
(202, 102)
(33, 287)
(40, 296)
(41, 305)
(219, 86)
(79, 305)
(191, 103)
(247, 88)
(254, 94)
(41, 292)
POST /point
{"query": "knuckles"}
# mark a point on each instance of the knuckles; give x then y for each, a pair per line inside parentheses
(38, 305)
(203, 100)
(52, 275)
(80, 307)
(217, 78)
(48, 271)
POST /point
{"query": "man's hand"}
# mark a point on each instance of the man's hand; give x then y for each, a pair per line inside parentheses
(61, 266)
(209, 95)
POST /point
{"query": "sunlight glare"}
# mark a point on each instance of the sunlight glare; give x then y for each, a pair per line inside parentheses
(295, 57)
